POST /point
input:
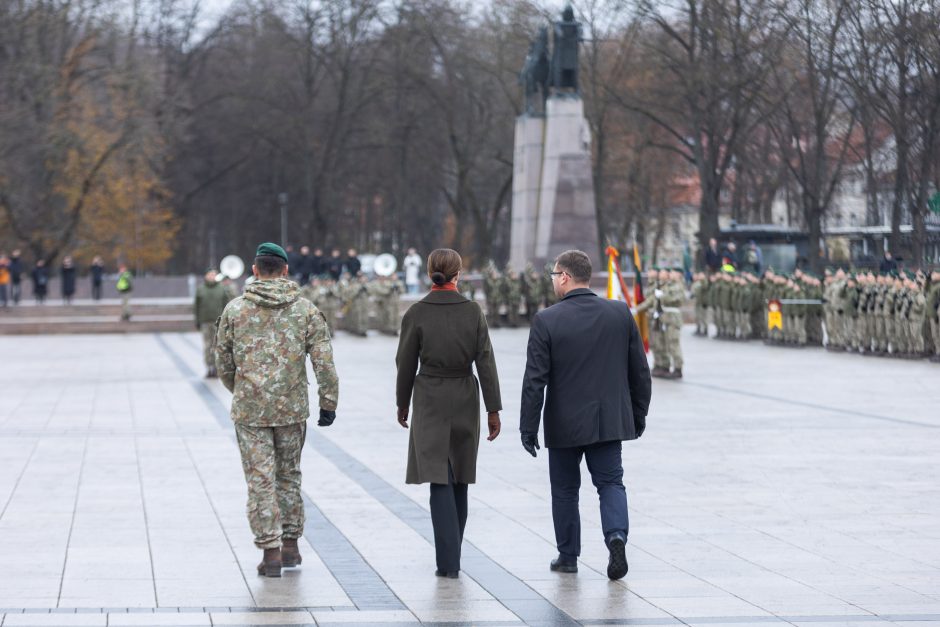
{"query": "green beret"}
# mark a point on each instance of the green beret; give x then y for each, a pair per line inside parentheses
(270, 250)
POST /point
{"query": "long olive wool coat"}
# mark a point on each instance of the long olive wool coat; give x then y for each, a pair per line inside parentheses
(442, 335)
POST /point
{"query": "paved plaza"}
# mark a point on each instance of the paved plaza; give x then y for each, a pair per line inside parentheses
(773, 485)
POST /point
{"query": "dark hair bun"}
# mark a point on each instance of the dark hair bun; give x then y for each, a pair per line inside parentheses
(438, 278)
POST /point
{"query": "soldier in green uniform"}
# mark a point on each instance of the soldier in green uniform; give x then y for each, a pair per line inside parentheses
(387, 294)
(491, 291)
(700, 295)
(657, 340)
(757, 308)
(356, 313)
(264, 339)
(211, 298)
(329, 300)
(879, 336)
(917, 314)
(933, 314)
(467, 289)
(531, 291)
(510, 295)
(548, 291)
(672, 299)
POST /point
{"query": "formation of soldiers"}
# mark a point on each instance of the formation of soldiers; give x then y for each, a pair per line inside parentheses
(874, 314)
(512, 297)
(355, 299)
(664, 297)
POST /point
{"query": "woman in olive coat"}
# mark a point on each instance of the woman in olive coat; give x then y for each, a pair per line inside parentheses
(446, 334)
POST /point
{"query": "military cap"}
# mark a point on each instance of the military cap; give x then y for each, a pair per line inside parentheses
(269, 249)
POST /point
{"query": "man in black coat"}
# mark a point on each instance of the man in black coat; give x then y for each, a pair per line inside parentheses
(588, 352)
(352, 264)
(712, 256)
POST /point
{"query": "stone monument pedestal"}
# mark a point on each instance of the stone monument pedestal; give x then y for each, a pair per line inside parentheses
(553, 190)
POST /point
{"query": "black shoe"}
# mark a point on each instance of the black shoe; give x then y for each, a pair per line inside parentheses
(564, 565)
(450, 574)
(617, 565)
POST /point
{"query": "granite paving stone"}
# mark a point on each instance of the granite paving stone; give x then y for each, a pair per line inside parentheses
(773, 486)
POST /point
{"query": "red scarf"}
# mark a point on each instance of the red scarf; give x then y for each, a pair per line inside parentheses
(447, 287)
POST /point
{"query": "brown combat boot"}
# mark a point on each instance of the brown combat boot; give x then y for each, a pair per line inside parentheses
(290, 553)
(659, 372)
(270, 565)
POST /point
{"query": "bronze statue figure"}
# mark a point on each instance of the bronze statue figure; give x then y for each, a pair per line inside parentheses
(535, 72)
(565, 52)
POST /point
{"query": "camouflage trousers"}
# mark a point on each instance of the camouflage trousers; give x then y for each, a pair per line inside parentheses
(673, 324)
(387, 314)
(126, 306)
(329, 312)
(356, 319)
(208, 343)
(271, 461)
(658, 346)
(935, 335)
(701, 318)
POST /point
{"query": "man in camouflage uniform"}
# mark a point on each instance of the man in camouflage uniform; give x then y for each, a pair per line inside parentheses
(933, 314)
(491, 291)
(264, 339)
(531, 291)
(673, 298)
(700, 295)
(548, 291)
(356, 314)
(211, 298)
(511, 295)
(653, 305)
(387, 293)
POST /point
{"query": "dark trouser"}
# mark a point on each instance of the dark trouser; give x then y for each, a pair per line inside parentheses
(17, 293)
(96, 291)
(606, 467)
(449, 517)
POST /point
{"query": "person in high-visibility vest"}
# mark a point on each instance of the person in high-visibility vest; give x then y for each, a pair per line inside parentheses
(125, 285)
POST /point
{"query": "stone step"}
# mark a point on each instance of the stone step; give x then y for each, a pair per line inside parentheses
(98, 324)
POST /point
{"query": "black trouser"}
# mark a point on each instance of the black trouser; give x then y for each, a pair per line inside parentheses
(605, 463)
(449, 517)
(96, 291)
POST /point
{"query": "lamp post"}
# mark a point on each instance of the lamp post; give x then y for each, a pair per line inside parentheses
(282, 201)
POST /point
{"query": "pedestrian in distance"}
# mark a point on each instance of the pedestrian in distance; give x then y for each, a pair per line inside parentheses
(16, 276)
(712, 256)
(446, 334)
(97, 276)
(211, 299)
(68, 279)
(352, 265)
(40, 276)
(412, 267)
(334, 266)
(264, 339)
(588, 353)
(124, 286)
(4, 280)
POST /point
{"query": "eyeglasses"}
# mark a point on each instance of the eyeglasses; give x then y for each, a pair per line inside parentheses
(557, 273)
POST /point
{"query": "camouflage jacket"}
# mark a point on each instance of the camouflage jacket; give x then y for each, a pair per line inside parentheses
(264, 338)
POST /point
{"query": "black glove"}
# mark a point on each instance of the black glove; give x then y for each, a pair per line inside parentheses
(639, 423)
(530, 442)
(326, 418)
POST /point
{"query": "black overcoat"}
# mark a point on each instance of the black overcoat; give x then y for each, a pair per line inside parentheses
(587, 350)
(445, 334)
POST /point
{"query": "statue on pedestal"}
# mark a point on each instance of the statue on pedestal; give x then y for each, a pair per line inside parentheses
(535, 73)
(565, 52)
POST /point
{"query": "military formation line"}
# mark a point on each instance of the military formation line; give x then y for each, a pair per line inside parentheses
(894, 314)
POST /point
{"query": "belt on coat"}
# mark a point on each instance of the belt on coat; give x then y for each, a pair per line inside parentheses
(446, 373)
